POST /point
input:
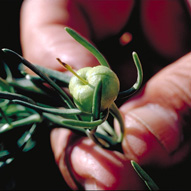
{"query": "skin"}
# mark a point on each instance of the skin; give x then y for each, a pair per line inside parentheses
(155, 119)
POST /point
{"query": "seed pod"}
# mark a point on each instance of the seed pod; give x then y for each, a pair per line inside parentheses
(83, 92)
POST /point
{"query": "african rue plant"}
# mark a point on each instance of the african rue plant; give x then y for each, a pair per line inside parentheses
(86, 113)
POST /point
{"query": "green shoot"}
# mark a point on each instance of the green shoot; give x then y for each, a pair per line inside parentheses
(144, 176)
(69, 68)
(88, 46)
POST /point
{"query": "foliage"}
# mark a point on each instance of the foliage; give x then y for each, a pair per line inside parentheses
(30, 101)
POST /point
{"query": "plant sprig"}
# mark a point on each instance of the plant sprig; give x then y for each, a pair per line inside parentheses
(138, 83)
(101, 59)
(21, 109)
(144, 176)
(55, 115)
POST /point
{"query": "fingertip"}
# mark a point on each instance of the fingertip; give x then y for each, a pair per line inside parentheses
(152, 134)
(97, 168)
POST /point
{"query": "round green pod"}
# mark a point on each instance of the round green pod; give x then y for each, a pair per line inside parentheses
(83, 93)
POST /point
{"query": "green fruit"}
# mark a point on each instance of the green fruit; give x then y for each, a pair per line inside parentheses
(83, 93)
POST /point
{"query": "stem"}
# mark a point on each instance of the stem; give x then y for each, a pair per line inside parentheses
(69, 68)
(116, 113)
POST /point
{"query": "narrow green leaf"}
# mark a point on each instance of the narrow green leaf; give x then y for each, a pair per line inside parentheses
(35, 118)
(25, 143)
(57, 121)
(63, 112)
(4, 86)
(105, 137)
(83, 124)
(8, 161)
(88, 46)
(57, 76)
(145, 177)
(11, 96)
(138, 83)
(101, 142)
(28, 85)
(97, 101)
(106, 129)
(45, 77)
(4, 153)
(9, 76)
(4, 116)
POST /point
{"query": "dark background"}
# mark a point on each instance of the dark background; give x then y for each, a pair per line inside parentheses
(9, 24)
(36, 170)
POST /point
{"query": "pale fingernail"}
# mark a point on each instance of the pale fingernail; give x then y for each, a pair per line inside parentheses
(90, 184)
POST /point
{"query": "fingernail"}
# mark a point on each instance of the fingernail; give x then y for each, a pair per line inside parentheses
(90, 184)
(161, 122)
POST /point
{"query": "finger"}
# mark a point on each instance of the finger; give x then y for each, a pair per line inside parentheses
(87, 166)
(158, 119)
(43, 35)
(163, 22)
(60, 142)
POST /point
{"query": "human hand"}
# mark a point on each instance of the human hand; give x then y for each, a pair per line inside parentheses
(147, 139)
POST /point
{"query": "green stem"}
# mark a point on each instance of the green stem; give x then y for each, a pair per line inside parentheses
(116, 113)
(69, 68)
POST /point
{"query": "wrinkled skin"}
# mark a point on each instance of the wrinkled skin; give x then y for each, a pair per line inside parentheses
(155, 119)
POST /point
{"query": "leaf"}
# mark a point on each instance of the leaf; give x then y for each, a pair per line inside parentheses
(28, 85)
(57, 76)
(145, 177)
(9, 77)
(25, 143)
(8, 161)
(88, 46)
(63, 112)
(4, 153)
(116, 114)
(11, 96)
(45, 77)
(57, 121)
(35, 118)
(4, 87)
(138, 83)
(77, 123)
(97, 101)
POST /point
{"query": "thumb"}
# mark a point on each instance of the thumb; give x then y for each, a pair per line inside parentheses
(43, 35)
(158, 119)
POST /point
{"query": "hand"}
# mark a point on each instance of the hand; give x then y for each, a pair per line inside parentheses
(154, 120)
